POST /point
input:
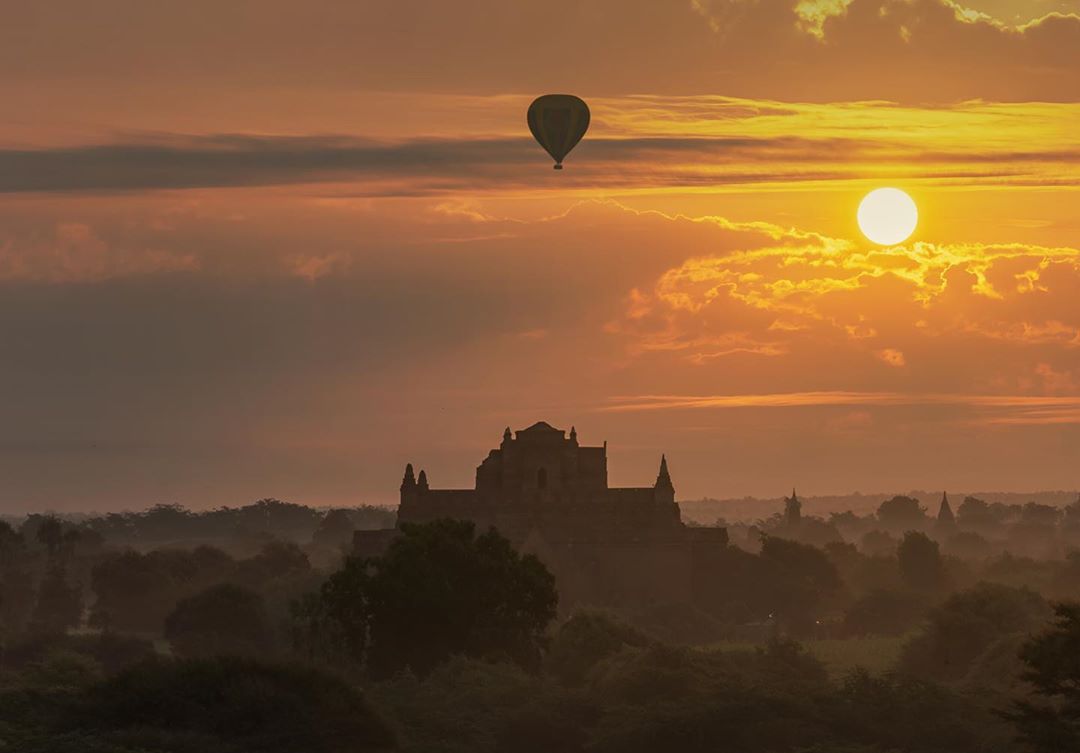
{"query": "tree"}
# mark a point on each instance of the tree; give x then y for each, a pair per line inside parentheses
(137, 591)
(439, 590)
(1052, 662)
(10, 544)
(798, 578)
(59, 605)
(222, 620)
(902, 514)
(276, 561)
(920, 562)
(50, 534)
(335, 531)
(974, 513)
(1042, 515)
(332, 624)
(966, 625)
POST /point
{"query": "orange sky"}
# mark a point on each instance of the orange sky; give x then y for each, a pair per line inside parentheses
(279, 249)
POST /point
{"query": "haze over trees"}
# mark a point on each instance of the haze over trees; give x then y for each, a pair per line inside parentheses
(852, 632)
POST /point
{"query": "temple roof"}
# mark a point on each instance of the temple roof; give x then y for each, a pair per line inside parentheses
(542, 427)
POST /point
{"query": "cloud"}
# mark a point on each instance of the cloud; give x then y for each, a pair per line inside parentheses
(73, 253)
(641, 142)
(892, 357)
(992, 409)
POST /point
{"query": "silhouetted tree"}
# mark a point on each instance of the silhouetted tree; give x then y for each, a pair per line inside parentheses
(10, 544)
(277, 560)
(799, 578)
(902, 514)
(975, 513)
(481, 596)
(333, 624)
(1052, 660)
(222, 620)
(335, 530)
(50, 534)
(439, 590)
(137, 591)
(920, 562)
(967, 624)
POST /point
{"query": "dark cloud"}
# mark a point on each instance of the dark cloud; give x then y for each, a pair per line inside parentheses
(432, 165)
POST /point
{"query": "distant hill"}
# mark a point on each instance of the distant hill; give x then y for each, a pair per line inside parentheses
(749, 509)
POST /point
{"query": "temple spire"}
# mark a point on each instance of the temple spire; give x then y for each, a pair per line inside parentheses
(792, 509)
(663, 479)
(408, 481)
(945, 513)
(421, 482)
(573, 433)
(506, 434)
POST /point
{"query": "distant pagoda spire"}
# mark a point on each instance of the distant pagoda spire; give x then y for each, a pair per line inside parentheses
(663, 479)
(573, 433)
(507, 435)
(408, 481)
(945, 514)
(793, 509)
(421, 482)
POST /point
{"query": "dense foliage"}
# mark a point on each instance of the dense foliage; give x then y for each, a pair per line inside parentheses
(439, 590)
(223, 705)
(127, 634)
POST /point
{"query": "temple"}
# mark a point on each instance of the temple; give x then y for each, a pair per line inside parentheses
(550, 496)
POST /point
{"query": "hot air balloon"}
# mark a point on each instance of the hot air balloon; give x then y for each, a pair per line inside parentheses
(557, 122)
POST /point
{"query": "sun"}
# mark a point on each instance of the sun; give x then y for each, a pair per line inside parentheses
(888, 216)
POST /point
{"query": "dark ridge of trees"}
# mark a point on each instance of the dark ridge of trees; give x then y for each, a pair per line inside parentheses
(239, 529)
(452, 635)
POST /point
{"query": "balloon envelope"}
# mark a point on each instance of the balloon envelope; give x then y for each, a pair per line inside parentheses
(557, 122)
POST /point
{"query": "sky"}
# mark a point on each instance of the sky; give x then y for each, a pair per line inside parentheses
(278, 249)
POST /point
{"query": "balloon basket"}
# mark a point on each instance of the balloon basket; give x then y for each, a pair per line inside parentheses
(558, 167)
